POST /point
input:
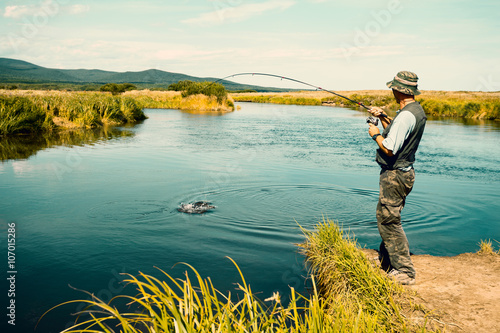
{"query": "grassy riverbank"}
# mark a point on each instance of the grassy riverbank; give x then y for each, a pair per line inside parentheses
(37, 111)
(174, 100)
(348, 294)
(480, 105)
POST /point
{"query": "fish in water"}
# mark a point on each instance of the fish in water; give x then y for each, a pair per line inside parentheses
(198, 207)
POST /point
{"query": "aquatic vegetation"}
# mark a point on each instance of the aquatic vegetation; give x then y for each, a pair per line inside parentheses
(481, 105)
(354, 287)
(347, 294)
(37, 111)
(22, 115)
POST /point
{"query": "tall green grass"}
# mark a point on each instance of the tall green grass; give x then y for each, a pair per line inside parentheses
(347, 294)
(22, 115)
(195, 305)
(484, 109)
(37, 111)
(354, 287)
(91, 109)
(27, 112)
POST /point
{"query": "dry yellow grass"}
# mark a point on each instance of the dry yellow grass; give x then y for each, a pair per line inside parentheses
(319, 95)
(203, 103)
(174, 100)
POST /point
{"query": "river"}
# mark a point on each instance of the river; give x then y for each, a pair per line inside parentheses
(91, 207)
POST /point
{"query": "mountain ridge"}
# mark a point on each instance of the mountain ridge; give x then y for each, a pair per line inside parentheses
(15, 71)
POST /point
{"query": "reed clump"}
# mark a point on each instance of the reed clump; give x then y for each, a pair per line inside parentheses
(35, 111)
(354, 288)
(22, 115)
(347, 294)
(38, 111)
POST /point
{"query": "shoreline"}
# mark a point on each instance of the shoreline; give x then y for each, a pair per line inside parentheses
(452, 293)
(31, 111)
(463, 291)
(473, 105)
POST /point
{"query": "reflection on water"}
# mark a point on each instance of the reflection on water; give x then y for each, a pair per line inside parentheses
(203, 112)
(24, 146)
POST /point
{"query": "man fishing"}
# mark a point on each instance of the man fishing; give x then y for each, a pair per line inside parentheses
(397, 146)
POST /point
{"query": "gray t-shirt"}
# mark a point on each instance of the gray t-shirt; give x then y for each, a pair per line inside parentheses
(403, 125)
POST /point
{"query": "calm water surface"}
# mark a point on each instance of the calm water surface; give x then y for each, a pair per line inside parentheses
(86, 212)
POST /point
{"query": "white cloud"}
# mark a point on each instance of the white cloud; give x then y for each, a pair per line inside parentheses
(78, 9)
(16, 12)
(238, 13)
(45, 8)
(22, 167)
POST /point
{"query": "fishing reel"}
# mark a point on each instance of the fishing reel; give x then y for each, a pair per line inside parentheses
(372, 120)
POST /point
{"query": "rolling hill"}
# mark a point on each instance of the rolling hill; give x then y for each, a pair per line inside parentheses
(13, 71)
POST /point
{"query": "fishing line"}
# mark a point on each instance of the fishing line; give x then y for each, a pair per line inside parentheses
(298, 81)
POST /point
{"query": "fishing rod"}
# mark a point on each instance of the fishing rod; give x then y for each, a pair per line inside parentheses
(298, 81)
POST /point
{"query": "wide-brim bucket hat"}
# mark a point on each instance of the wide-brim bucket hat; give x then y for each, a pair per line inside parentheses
(405, 82)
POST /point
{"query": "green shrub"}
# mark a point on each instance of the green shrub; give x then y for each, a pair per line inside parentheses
(180, 86)
(206, 88)
(116, 89)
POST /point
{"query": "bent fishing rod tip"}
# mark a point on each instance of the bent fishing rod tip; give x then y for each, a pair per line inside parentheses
(298, 81)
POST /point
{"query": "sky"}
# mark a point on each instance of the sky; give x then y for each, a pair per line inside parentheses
(338, 45)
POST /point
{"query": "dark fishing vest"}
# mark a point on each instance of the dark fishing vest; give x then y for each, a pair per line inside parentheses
(406, 154)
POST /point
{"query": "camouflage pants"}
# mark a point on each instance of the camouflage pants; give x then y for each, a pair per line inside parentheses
(395, 185)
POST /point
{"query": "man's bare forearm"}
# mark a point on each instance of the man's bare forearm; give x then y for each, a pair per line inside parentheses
(382, 147)
(385, 121)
